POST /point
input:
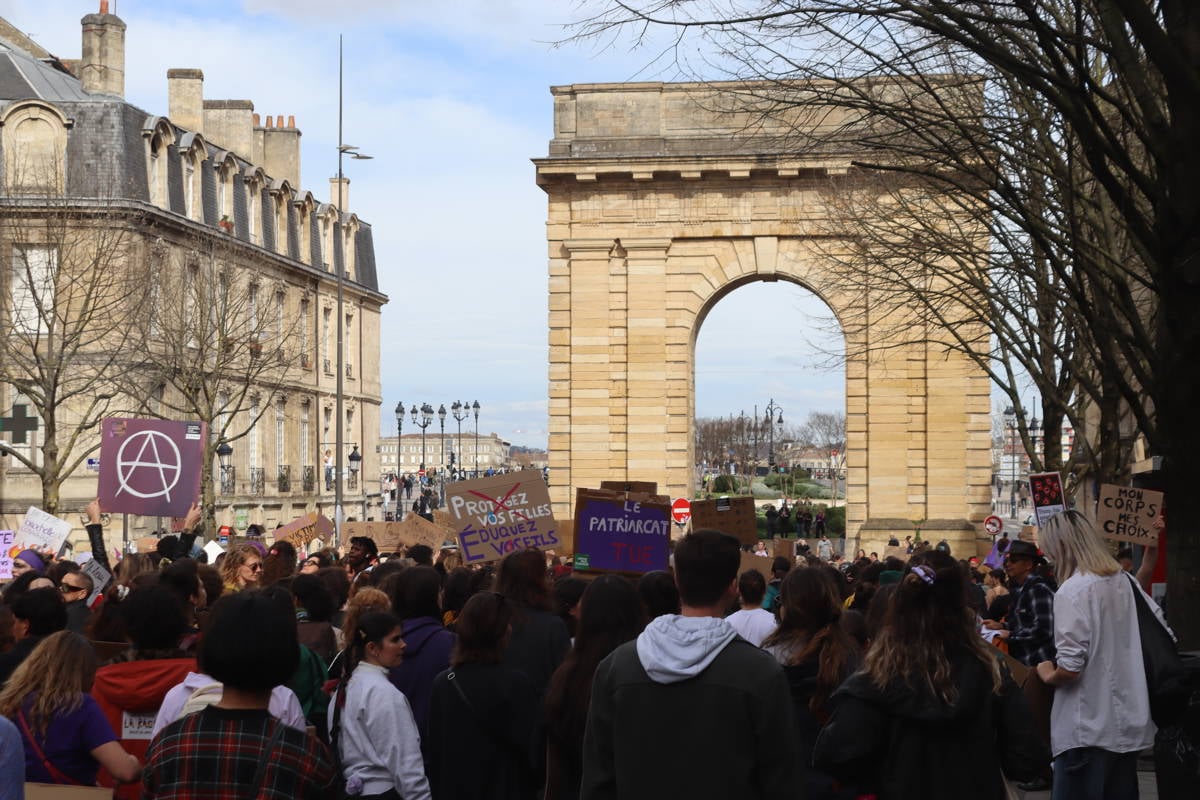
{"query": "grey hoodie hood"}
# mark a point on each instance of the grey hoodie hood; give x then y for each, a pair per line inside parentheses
(673, 648)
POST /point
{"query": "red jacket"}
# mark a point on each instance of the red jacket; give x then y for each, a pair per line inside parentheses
(130, 694)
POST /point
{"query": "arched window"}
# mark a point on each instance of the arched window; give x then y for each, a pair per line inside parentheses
(159, 137)
(35, 148)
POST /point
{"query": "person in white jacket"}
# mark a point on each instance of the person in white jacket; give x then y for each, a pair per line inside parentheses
(1100, 720)
(370, 721)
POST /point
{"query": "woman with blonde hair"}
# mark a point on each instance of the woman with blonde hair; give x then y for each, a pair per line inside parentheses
(242, 568)
(66, 736)
(1096, 732)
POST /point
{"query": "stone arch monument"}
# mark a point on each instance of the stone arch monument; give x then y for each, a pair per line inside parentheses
(658, 207)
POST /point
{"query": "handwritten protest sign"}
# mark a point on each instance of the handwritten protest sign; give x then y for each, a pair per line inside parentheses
(100, 578)
(302, 530)
(758, 564)
(732, 515)
(41, 531)
(495, 516)
(6, 557)
(620, 534)
(149, 466)
(1127, 514)
(389, 537)
(1046, 490)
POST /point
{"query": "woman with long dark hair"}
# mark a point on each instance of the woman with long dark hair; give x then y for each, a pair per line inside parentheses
(370, 722)
(816, 654)
(931, 692)
(486, 708)
(610, 614)
(539, 639)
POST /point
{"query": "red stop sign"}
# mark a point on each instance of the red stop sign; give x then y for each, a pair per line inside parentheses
(681, 511)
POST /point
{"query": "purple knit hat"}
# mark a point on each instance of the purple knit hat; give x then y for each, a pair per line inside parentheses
(31, 558)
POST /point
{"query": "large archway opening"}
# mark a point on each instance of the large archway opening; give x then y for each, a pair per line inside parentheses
(770, 406)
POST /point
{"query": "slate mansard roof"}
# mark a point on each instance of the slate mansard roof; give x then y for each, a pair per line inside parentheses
(106, 150)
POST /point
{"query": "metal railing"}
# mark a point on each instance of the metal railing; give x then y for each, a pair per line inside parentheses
(228, 480)
(258, 480)
(284, 480)
(309, 479)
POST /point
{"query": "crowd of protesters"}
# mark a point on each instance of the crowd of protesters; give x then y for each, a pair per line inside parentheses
(275, 673)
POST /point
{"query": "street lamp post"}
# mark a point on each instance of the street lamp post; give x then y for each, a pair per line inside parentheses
(399, 459)
(773, 410)
(335, 262)
(1010, 422)
(461, 411)
(475, 407)
(424, 422)
(442, 449)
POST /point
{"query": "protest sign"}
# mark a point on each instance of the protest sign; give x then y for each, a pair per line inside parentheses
(302, 530)
(633, 487)
(213, 550)
(1128, 514)
(785, 548)
(42, 532)
(758, 564)
(149, 466)
(100, 578)
(619, 534)
(732, 515)
(495, 516)
(6, 557)
(1046, 490)
(415, 529)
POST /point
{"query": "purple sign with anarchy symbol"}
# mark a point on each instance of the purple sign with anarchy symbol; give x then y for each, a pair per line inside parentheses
(150, 467)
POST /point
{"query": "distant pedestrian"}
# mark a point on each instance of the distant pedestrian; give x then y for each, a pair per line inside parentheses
(752, 622)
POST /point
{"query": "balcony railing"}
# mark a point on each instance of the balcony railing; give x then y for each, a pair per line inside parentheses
(258, 480)
(352, 481)
(309, 479)
(328, 366)
(228, 480)
(350, 371)
(284, 480)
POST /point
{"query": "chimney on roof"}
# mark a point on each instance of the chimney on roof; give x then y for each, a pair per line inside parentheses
(185, 98)
(344, 205)
(102, 66)
(229, 124)
(277, 149)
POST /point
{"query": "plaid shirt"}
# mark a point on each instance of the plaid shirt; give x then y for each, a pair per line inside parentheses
(215, 753)
(1031, 622)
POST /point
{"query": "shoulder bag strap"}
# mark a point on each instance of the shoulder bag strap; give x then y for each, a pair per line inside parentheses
(506, 744)
(56, 775)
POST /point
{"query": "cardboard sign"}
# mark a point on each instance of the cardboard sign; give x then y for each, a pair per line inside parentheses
(732, 515)
(7, 538)
(756, 563)
(302, 530)
(137, 725)
(1128, 515)
(495, 516)
(42, 532)
(621, 535)
(1046, 491)
(149, 466)
(633, 487)
(389, 537)
(100, 578)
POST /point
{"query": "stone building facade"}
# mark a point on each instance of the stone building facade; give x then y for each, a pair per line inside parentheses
(211, 183)
(489, 450)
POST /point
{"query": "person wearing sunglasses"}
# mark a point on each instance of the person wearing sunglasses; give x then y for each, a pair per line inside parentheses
(242, 568)
(76, 587)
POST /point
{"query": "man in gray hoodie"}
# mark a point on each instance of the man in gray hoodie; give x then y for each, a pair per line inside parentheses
(690, 709)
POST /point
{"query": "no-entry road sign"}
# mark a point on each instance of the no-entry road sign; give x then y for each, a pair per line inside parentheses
(681, 511)
(993, 524)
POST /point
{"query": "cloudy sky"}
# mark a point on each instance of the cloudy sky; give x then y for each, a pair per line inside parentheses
(452, 100)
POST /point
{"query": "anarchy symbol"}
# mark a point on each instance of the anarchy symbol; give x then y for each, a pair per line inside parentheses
(152, 462)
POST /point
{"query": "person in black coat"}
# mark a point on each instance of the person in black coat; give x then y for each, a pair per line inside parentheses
(934, 713)
(483, 741)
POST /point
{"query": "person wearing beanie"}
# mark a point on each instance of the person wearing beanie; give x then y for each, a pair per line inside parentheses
(27, 560)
